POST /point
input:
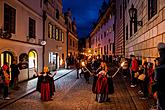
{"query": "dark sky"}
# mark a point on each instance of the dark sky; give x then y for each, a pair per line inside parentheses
(85, 12)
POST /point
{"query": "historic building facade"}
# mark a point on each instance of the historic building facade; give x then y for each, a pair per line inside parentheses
(72, 37)
(20, 32)
(102, 35)
(119, 28)
(34, 33)
(143, 37)
(54, 35)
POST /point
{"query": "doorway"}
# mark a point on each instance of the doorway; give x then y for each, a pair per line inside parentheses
(33, 65)
(6, 56)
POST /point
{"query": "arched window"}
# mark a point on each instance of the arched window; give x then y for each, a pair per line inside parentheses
(32, 59)
(6, 57)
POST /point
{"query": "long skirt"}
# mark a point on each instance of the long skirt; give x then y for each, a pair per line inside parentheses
(101, 89)
(45, 91)
(101, 97)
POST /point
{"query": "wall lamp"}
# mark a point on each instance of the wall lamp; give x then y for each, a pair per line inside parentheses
(5, 34)
(133, 15)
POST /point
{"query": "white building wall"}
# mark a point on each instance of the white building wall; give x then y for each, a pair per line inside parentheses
(18, 43)
(143, 43)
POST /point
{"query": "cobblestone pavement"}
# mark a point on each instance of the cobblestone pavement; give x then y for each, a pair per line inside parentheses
(27, 87)
(75, 94)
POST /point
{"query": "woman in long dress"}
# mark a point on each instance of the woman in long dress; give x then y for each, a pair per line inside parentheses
(101, 86)
(45, 85)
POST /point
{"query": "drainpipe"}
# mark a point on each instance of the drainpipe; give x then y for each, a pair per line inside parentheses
(67, 33)
(43, 52)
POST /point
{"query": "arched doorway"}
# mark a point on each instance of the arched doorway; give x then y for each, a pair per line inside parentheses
(33, 65)
(6, 56)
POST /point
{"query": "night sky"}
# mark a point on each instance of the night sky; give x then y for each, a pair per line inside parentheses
(85, 12)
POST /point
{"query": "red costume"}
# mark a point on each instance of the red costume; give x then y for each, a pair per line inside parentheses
(45, 86)
(102, 87)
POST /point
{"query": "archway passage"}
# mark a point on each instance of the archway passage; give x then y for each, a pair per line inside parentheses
(33, 65)
(6, 56)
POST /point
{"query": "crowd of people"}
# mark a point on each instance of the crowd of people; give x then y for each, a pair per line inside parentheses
(147, 76)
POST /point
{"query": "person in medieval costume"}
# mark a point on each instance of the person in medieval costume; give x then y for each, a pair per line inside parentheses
(95, 77)
(45, 84)
(102, 87)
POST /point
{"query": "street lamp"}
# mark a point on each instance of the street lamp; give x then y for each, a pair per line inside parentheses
(133, 15)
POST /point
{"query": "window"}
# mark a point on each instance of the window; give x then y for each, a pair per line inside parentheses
(130, 28)
(57, 14)
(120, 11)
(32, 59)
(135, 21)
(110, 29)
(73, 43)
(113, 27)
(152, 8)
(40, 3)
(54, 32)
(63, 56)
(110, 47)
(9, 19)
(51, 57)
(62, 36)
(127, 32)
(104, 34)
(70, 42)
(32, 24)
(57, 34)
(50, 29)
(104, 50)
(110, 16)
(107, 48)
(101, 36)
(101, 50)
(125, 4)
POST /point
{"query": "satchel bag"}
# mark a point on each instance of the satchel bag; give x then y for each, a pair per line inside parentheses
(142, 77)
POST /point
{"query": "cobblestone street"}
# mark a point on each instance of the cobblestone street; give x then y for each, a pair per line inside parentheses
(75, 94)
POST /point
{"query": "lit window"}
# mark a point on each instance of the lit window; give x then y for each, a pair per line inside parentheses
(50, 28)
(57, 37)
(54, 32)
(62, 36)
(110, 16)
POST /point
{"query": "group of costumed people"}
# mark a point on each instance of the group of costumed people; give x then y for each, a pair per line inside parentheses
(45, 84)
(102, 83)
